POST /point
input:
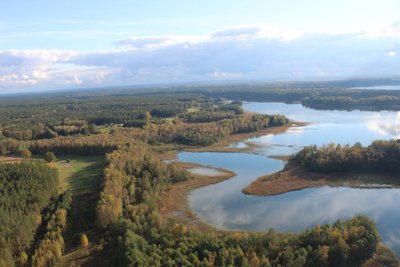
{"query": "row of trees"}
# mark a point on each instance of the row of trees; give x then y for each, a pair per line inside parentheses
(203, 134)
(79, 145)
(50, 242)
(8, 145)
(131, 178)
(379, 156)
(172, 132)
(214, 112)
(348, 103)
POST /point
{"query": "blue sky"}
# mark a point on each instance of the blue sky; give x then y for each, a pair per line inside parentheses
(57, 44)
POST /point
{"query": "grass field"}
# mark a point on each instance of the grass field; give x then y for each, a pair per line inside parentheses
(80, 174)
(83, 175)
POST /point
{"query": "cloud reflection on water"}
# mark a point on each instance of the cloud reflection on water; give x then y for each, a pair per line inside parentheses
(387, 126)
(224, 205)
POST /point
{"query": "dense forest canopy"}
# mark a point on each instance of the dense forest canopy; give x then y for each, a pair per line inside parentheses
(379, 156)
(25, 190)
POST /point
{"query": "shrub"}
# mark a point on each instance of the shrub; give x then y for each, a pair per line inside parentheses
(26, 153)
(49, 157)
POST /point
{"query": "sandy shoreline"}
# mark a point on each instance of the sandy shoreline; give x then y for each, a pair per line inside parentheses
(174, 201)
(294, 177)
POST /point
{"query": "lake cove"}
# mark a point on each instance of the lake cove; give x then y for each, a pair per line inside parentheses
(223, 205)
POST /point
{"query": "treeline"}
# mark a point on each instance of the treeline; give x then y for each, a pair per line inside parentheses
(171, 132)
(217, 111)
(25, 190)
(8, 145)
(50, 242)
(203, 134)
(348, 103)
(379, 156)
(324, 96)
(128, 207)
(40, 131)
(39, 117)
(98, 144)
(132, 178)
(44, 116)
(348, 243)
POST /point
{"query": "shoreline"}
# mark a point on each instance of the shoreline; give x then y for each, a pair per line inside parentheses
(174, 201)
(223, 145)
(294, 177)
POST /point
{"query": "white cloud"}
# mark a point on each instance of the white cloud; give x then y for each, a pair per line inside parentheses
(392, 30)
(232, 53)
(153, 42)
(140, 42)
(29, 67)
(386, 126)
(222, 74)
(237, 31)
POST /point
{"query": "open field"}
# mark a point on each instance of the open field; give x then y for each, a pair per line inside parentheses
(83, 175)
(80, 174)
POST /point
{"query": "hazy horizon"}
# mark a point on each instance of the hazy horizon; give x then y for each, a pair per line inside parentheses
(53, 46)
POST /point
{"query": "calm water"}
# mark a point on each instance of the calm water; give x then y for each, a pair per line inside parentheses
(205, 171)
(379, 87)
(327, 126)
(225, 206)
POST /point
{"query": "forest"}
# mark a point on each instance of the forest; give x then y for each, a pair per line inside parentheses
(29, 205)
(73, 113)
(378, 156)
(128, 206)
(129, 128)
(383, 102)
(334, 95)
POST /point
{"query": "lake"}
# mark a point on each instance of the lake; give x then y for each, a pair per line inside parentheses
(225, 206)
(378, 87)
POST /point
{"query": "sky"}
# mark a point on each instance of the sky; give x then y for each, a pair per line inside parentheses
(47, 44)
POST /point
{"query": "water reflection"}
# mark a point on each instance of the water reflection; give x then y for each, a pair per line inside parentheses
(225, 206)
(384, 126)
(344, 127)
(205, 171)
